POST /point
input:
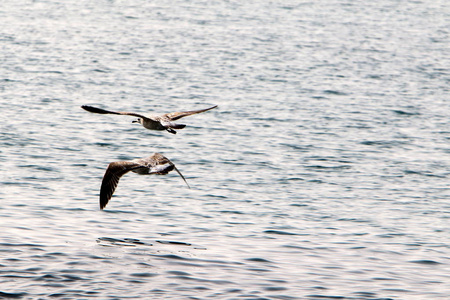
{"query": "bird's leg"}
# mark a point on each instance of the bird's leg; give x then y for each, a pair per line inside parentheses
(171, 130)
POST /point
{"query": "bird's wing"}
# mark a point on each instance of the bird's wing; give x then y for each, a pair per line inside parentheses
(178, 171)
(178, 115)
(111, 179)
(104, 111)
(159, 164)
(162, 165)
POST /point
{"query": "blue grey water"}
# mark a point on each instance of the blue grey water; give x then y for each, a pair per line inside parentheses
(323, 174)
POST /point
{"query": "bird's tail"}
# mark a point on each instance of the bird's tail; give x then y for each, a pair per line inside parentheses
(176, 126)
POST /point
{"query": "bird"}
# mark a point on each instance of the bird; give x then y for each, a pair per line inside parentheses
(154, 164)
(161, 122)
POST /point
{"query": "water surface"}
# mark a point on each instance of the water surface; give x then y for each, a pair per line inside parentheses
(323, 174)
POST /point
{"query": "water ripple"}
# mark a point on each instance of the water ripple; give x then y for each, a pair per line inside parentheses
(321, 175)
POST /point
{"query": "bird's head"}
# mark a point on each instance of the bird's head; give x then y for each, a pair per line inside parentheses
(138, 120)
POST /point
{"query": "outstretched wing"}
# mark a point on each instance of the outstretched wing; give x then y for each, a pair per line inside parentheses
(178, 171)
(161, 165)
(104, 111)
(178, 115)
(111, 179)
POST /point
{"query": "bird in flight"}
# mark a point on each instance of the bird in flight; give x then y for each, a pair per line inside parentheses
(161, 122)
(155, 164)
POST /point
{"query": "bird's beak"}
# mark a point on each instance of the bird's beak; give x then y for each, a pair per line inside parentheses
(135, 121)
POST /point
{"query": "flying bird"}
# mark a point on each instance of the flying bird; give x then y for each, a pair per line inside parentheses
(161, 122)
(155, 164)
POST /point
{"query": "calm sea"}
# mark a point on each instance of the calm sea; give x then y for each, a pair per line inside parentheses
(323, 174)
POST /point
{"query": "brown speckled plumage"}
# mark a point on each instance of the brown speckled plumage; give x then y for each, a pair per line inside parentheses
(162, 122)
(155, 164)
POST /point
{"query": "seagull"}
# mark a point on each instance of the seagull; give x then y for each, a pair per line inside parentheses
(162, 122)
(155, 164)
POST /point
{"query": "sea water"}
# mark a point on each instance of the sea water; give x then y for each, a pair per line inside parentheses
(323, 174)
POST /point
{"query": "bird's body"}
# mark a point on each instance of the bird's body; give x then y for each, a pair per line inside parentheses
(155, 164)
(161, 122)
